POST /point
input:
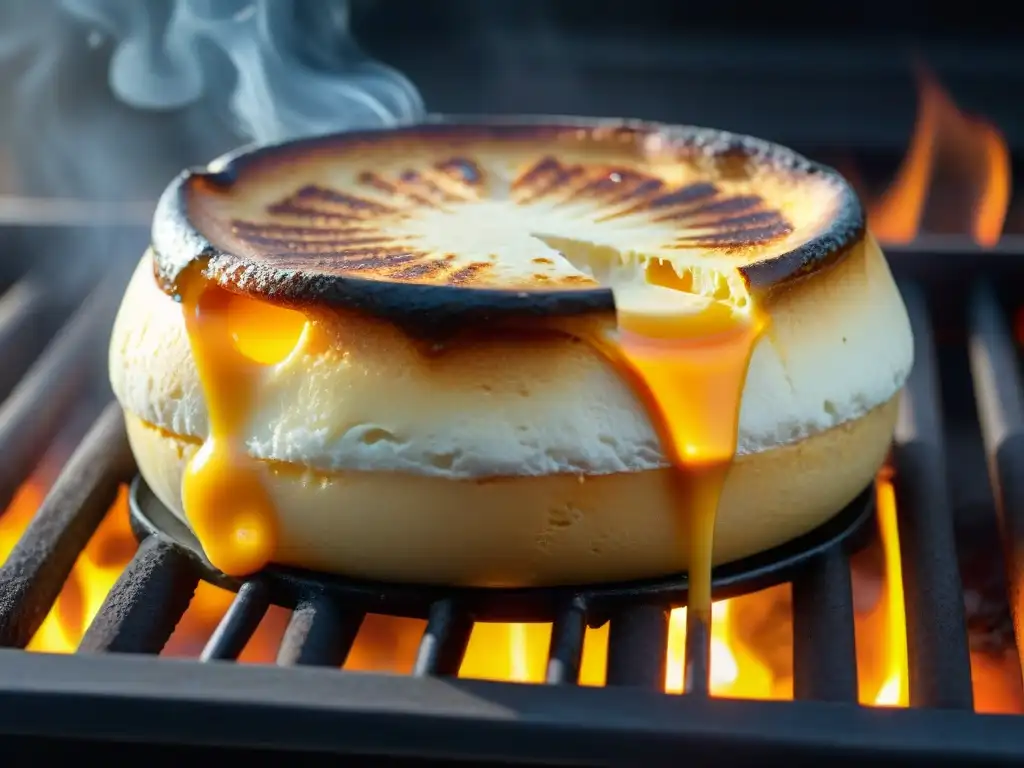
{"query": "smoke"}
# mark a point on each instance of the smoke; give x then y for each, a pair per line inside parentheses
(293, 68)
(112, 97)
(103, 102)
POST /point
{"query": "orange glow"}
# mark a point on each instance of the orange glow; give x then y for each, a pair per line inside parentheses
(947, 140)
(91, 578)
(975, 160)
(894, 689)
(752, 635)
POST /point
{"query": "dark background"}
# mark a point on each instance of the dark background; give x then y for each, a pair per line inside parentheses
(821, 75)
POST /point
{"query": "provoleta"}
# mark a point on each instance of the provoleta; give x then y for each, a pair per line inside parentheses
(406, 363)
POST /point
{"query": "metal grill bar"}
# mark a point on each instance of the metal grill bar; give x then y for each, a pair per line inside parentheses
(939, 659)
(37, 408)
(566, 650)
(319, 633)
(146, 603)
(824, 646)
(35, 571)
(239, 623)
(444, 641)
(22, 306)
(1000, 401)
(637, 647)
(697, 664)
(262, 706)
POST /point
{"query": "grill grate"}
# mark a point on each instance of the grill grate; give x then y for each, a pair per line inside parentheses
(328, 611)
(106, 698)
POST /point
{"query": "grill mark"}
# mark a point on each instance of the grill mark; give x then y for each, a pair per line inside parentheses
(615, 180)
(647, 187)
(327, 246)
(541, 168)
(684, 196)
(604, 188)
(452, 187)
(380, 253)
(372, 263)
(420, 270)
(242, 227)
(558, 184)
(292, 242)
(414, 180)
(462, 169)
(381, 184)
(338, 233)
(545, 178)
(313, 193)
(318, 215)
(688, 194)
(748, 220)
(468, 273)
(729, 205)
(759, 236)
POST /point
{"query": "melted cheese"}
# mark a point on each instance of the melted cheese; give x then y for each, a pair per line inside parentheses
(688, 368)
(685, 356)
(224, 496)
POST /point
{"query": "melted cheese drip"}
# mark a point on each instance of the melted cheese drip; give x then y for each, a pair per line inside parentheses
(689, 370)
(233, 340)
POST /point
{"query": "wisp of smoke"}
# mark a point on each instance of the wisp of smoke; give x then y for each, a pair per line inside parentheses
(107, 100)
(284, 76)
(111, 97)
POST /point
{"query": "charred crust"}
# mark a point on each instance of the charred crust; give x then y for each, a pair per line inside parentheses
(429, 309)
(848, 228)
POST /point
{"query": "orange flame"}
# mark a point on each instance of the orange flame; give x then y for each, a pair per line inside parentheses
(894, 690)
(971, 148)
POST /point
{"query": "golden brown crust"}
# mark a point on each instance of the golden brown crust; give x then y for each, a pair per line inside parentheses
(364, 220)
(555, 529)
